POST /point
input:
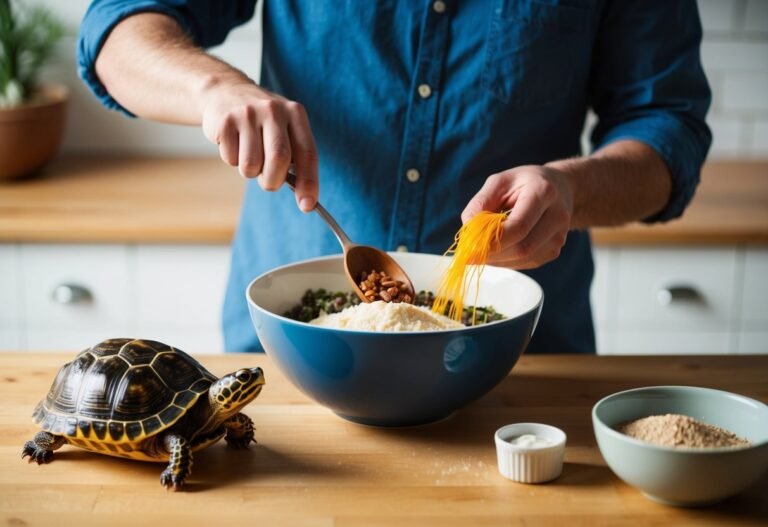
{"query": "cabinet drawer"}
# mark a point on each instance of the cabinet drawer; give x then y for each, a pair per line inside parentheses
(181, 285)
(10, 305)
(10, 298)
(93, 303)
(676, 289)
(755, 342)
(628, 342)
(754, 304)
(180, 294)
(600, 295)
(10, 339)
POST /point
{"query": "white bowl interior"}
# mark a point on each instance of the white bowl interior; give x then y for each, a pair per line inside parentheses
(509, 292)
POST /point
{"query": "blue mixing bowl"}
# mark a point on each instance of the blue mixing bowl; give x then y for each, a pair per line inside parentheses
(393, 379)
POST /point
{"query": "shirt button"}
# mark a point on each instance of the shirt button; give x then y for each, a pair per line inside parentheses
(402, 249)
(425, 90)
(439, 6)
(412, 175)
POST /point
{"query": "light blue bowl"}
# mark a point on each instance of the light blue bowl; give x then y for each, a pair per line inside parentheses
(684, 477)
(392, 379)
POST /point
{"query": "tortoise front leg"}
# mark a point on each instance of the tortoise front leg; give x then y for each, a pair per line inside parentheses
(41, 448)
(239, 431)
(180, 463)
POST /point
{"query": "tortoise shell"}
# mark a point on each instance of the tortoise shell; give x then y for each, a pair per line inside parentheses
(122, 391)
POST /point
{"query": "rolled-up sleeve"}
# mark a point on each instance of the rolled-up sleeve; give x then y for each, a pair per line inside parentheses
(206, 21)
(648, 85)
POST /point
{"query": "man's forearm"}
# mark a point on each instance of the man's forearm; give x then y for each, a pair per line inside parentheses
(622, 182)
(152, 68)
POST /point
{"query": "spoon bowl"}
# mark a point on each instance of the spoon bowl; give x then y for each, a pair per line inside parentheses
(359, 259)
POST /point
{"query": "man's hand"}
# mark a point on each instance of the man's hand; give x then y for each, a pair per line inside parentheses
(262, 133)
(152, 68)
(623, 181)
(541, 203)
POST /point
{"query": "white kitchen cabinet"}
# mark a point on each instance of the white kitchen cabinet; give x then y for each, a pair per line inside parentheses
(10, 301)
(601, 294)
(753, 334)
(180, 292)
(754, 304)
(754, 342)
(72, 296)
(174, 293)
(668, 342)
(676, 289)
(75, 295)
(700, 300)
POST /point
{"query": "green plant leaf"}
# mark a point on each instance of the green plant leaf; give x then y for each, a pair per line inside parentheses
(28, 38)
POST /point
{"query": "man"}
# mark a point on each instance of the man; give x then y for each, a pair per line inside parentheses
(415, 115)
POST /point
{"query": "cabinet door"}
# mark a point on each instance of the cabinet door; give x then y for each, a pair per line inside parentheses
(10, 301)
(753, 342)
(668, 342)
(602, 297)
(753, 337)
(676, 300)
(680, 289)
(75, 295)
(180, 293)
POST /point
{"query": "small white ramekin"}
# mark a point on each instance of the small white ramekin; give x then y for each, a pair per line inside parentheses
(530, 464)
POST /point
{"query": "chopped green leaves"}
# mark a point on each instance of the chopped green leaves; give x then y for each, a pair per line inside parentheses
(316, 302)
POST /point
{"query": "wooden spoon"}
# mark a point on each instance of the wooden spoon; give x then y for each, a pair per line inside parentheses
(359, 259)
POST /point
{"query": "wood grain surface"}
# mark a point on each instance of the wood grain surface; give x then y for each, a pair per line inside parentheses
(311, 468)
(124, 200)
(730, 207)
(197, 200)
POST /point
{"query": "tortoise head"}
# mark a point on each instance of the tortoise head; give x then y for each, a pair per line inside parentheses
(233, 391)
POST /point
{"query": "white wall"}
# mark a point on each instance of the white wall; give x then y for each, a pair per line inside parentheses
(735, 54)
(92, 128)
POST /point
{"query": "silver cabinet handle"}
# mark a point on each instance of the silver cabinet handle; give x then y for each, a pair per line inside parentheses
(679, 294)
(71, 294)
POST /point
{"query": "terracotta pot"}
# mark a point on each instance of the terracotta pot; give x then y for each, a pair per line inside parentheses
(30, 134)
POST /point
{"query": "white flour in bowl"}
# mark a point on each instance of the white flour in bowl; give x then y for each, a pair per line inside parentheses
(385, 316)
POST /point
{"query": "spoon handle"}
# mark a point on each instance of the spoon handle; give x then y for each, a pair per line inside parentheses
(344, 240)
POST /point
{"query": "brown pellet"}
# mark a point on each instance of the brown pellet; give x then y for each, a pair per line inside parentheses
(379, 285)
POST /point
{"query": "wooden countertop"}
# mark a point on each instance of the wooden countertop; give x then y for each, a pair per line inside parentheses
(197, 200)
(124, 200)
(730, 207)
(312, 468)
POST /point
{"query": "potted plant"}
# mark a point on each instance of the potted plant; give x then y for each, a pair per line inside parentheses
(31, 116)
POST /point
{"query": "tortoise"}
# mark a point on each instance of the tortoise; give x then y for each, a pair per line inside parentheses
(144, 400)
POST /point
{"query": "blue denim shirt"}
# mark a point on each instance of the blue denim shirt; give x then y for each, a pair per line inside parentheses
(510, 82)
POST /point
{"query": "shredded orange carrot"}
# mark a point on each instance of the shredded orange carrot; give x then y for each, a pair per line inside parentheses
(475, 239)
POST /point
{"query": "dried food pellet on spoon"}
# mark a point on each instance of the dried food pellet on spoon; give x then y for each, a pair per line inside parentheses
(378, 285)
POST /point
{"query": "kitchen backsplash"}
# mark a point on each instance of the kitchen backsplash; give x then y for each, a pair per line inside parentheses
(735, 54)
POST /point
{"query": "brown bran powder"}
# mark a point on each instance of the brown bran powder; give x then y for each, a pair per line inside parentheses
(674, 430)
